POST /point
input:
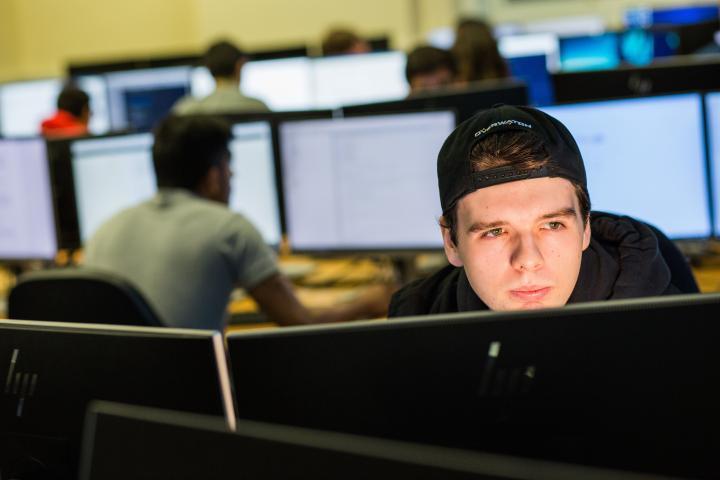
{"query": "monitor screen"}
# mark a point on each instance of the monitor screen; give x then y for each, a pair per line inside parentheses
(363, 183)
(24, 105)
(139, 98)
(284, 84)
(354, 79)
(533, 71)
(619, 384)
(110, 174)
(635, 169)
(713, 119)
(55, 369)
(685, 15)
(526, 45)
(596, 52)
(27, 222)
(254, 182)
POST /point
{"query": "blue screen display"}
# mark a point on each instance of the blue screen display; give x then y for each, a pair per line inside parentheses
(595, 52)
(685, 15)
(533, 71)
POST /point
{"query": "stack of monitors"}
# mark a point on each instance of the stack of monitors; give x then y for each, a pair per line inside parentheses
(27, 221)
(363, 183)
(635, 169)
(115, 172)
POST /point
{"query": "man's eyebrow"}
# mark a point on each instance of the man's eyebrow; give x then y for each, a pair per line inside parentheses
(563, 212)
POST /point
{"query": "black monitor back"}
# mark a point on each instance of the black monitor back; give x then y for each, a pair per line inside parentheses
(677, 74)
(465, 102)
(123, 441)
(630, 384)
(51, 371)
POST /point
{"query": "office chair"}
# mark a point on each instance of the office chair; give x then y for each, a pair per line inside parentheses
(680, 272)
(79, 295)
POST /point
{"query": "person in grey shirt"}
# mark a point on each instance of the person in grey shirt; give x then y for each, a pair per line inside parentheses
(224, 61)
(185, 250)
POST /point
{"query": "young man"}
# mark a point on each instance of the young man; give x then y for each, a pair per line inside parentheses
(517, 227)
(186, 251)
(429, 68)
(72, 116)
(225, 62)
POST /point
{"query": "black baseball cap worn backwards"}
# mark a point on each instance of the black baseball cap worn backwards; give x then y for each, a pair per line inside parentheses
(456, 176)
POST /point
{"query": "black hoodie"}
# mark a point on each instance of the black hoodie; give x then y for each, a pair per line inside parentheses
(626, 259)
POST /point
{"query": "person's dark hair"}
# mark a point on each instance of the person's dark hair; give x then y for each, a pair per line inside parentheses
(186, 147)
(222, 58)
(522, 150)
(476, 52)
(339, 41)
(73, 100)
(426, 59)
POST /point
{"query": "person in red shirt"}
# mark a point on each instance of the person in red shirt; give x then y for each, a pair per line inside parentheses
(72, 116)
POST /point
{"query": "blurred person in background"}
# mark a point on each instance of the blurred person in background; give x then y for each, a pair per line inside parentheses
(343, 41)
(476, 53)
(72, 116)
(429, 68)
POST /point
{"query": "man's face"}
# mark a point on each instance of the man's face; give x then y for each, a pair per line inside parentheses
(442, 77)
(520, 243)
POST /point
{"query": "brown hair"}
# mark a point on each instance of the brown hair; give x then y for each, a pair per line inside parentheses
(476, 52)
(523, 151)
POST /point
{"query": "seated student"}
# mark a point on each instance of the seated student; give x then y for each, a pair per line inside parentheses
(225, 62)
(429, 68)
(476, 53)
(341, 41)
(185, 250)
(72, 116)
(518, 231)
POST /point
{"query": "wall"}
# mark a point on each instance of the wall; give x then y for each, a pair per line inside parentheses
(38, 37)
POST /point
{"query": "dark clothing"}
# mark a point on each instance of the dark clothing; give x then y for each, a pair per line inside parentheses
(626, 259)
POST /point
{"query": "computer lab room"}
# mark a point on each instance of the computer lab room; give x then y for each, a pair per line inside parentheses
(403, 239)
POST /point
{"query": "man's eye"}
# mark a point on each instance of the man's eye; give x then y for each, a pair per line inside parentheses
(554, 225)
(492, 233)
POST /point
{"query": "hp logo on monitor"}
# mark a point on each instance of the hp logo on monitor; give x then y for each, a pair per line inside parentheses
(19, 384)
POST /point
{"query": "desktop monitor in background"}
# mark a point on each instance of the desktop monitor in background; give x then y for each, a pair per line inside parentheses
(96, 88)
(712, 106)
(51, 372)
(527, 45)
(596, 52)
(533, 71)
(685, 15)
(634, 169)
(27, 222)
(138, 99)
(679, 74)
(169, 444)
(284, 84)
(24, 105)
(465, 102)
(254, 181)
(617, 384)
(365, 183)
(354, 79)
(110, 174)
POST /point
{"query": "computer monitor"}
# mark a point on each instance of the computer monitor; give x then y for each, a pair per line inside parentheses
(354, 79)
(365, 183)
(109, 175)
(634, 170)
(116, 172)
(27, 221)
(618, 384)
(465, 102)
(168, 444)
(254, 190)
(592, 52)
(526, 45)
(677, 74)
(138, 99)
(284, 84)
(533, 71)
(712, 109)
(24, 105)
(51, 371)
(685, 15)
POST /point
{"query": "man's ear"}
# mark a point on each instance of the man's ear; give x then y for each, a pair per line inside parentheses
(451, 251)
(210, 184)
(587, 234)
